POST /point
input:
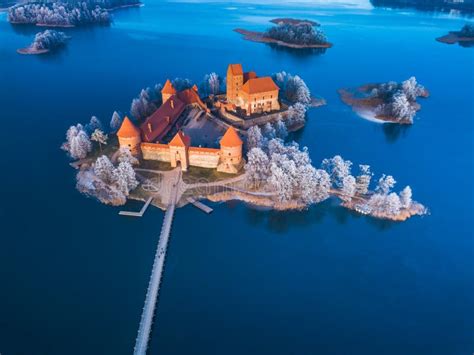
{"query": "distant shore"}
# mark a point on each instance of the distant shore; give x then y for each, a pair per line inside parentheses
(255, 36)
(454, 37)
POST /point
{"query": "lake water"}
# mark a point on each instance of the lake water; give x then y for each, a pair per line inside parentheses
(73, 274)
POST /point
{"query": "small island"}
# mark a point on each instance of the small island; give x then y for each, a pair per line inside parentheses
(66, 13)
(222, 141)
(45, 42)
(386, 102)
(291, 33)
(464, 37)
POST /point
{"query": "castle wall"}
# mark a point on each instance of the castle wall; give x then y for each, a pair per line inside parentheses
(204, 157)
(261, 102)
(154, 151)
(132, 143)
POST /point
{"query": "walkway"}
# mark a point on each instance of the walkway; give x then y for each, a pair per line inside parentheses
(151, 299)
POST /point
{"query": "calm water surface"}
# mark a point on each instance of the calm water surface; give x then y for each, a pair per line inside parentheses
(73, 274)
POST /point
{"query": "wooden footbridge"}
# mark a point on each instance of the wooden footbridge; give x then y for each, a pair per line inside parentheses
(151, 299)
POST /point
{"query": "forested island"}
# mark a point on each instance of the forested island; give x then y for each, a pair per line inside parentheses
(66, 13)
(292, 33)
(277, 173)
(387, 102)
(463, 6)
(45, 42)
(465, 37)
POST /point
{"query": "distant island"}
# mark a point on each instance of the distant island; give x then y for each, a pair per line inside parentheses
(222, 140)
(45, 42)
(386, 102)
(465, 37)
(66, 13)
(288, 32)
(461, 6)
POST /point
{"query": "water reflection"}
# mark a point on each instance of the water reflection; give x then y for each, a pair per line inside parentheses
(393, 131)
(300, 52)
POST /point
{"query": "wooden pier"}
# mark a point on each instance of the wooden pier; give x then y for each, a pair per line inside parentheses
(137, 214)
(199, 205)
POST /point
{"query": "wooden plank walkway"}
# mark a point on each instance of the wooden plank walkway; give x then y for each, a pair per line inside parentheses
(199, 205)
(137, 214)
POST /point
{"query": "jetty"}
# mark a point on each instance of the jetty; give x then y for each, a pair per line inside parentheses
(140, 213)
(199, 205)
(151, 299)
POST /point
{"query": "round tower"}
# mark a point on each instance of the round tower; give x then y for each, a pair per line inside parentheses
(231, 151)
(129, 136)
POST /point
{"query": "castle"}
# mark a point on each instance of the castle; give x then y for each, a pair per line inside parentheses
(248, 92)
(146, 139)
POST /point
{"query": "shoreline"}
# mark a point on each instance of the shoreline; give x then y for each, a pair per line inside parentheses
(32, 51)
(453, 38)
(259, 37)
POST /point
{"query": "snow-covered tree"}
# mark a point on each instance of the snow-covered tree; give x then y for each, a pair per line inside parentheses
(105, 170)
(313, 184)
(296, 115)
(338, 169)
(401, 108)
(125, 177)
(406, 197)
(293, 88)
(49, 39)
(412, 89)
(181, 84)
(269, 131)
(393, 204)
(125, 155)
(255, 138)
(144, 105)
(257, 166)
(363, 179)
(385, 184)
(99, 137)
(93, 124)
(77, 142)
(116, 121)
(280, 129)
(348, 187)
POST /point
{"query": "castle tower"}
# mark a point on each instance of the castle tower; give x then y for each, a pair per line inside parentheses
(129, 136)
(235, 80)
(179, 146)
(167, 91)
(231, 152)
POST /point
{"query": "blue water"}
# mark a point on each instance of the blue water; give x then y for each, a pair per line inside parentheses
(73, 274)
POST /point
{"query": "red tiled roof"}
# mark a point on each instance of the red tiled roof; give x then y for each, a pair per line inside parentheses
(249, 75)
(128, 129)
(236, 69)
(231, 138)
(160, 122)
(191, 96)
(180, 140)
(258, 85)
(168, 88)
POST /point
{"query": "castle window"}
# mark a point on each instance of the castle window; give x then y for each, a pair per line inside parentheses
(229, 154)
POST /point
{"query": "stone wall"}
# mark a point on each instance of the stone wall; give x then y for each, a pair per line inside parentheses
(242, 123)
(204, 157)
(154, 151)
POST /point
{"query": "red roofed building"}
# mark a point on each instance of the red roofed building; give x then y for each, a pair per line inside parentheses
(250, 93)
(167, 91)
(129, 136)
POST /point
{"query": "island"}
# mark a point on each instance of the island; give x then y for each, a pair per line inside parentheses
(291, 33)
(386, 102)
(45, 42)
(66, 13)
(464, 37)
(451, 6)
(222, 140)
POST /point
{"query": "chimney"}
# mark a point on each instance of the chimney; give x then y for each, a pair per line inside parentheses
(172, 103)
(149, 126)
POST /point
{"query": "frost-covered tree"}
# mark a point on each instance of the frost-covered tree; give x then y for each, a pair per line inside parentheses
(125, 155)
(406, 197)
(292, 88)
(296, 115)
(401, 108)
(93, 124)
(181, 84)
(348, 189)
(116, 121)
(301, 33)
(255, 138)
(393, 204)
(77, 143)
(363, 179)
(257, 166)
(269, 131)
(105, 170)
(313, 184)
(280, 129)
(338, 169)
(99, 137)
(385, 184)
(125, 177)
(467, 30)
(49, 40)
(412, 89)
(143, 106)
